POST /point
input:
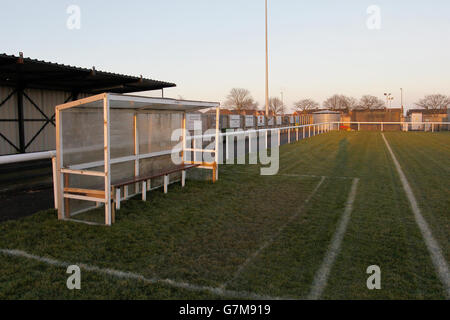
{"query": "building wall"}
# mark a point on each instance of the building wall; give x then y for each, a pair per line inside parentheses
(46, 100)
(326, 117)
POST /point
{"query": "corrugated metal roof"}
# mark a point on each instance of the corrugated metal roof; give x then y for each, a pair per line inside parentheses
(39, 74)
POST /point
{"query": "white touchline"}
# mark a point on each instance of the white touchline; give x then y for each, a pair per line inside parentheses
(311, 176)
(294, 175)
(321, 277)
(134, 276)
(272, 239)
(440, 263)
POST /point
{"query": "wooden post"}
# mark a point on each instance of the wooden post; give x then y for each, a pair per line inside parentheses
(66, 200)
(118, 198)
(144, 190)
(183, 127)
(136, 151)
(55, 182)
(216, 173)
(183, 178)
(267, 138)
(107, 155)
(227, 147)
(195, 148)
(59, 164)
(166, 184)
(113, 211)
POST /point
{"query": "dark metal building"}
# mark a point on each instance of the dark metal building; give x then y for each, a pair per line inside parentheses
(30, 89)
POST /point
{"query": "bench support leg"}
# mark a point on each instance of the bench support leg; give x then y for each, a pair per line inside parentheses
(214, 174)
(125, 191)
(113, 213)
(149, 184)
(118, 198)
(144, 190)
(183, 178)
(166, 183)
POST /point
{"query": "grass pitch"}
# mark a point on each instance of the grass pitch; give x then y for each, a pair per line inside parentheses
(256, 235)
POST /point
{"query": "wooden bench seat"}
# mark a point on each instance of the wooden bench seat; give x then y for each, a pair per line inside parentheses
(153, 175)
(117, 185)
(97, 195)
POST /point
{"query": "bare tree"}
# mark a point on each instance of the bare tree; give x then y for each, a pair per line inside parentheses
(240, 100)
(434, 102)
(369, 102)
(276, 106)
(306, 105)
(339, 102)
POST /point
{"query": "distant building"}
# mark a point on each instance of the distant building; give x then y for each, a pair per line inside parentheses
(425, 115)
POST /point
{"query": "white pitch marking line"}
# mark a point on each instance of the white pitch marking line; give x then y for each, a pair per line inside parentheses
(321, 277)
(310, 176)
(295, 175)
(440, 263)
(85, 222)
(272, 239)
(134, 276)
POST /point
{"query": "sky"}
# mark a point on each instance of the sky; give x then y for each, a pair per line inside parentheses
(317, 48)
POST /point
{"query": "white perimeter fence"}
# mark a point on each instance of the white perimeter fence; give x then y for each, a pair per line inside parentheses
(285, 135)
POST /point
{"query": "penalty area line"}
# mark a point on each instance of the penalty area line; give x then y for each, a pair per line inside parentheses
(439, 262)
(321, 277)
(134, 276)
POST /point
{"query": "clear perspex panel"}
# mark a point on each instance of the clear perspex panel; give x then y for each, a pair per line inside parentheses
(140, 143)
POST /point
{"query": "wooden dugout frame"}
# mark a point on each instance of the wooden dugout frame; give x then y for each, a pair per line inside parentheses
(63, 191)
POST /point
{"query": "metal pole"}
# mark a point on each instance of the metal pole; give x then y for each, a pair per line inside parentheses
(267, 66)
(403, 110)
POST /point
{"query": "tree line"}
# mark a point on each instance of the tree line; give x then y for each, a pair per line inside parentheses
(241, 100)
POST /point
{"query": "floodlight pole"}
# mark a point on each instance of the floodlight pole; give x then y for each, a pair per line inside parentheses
(401, 94)
(267, 67)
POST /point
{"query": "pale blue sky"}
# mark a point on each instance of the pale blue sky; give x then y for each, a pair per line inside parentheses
(317, 48)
